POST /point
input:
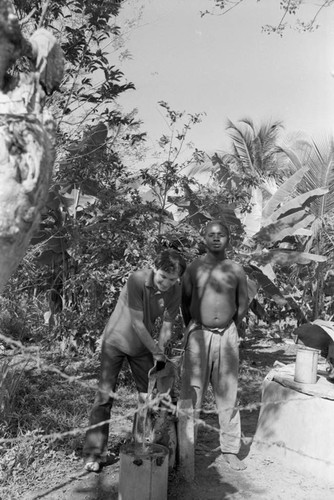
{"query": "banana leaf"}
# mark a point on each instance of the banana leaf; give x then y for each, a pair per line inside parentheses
(296, 204)
(253, 287)
(253, 220)
(284, 227)
(283, 192)
(254, 273)
(284, 257)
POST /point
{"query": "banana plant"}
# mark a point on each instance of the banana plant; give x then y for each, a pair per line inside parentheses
(319, 156)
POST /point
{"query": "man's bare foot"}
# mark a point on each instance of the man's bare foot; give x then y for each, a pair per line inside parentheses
(234, 462)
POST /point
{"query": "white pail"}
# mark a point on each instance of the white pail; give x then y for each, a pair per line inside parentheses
(306, 365)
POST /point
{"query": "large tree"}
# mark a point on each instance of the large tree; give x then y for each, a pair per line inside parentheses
(89, 202)
(27, 134)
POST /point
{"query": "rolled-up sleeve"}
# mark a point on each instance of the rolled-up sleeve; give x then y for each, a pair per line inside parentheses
(135, 293)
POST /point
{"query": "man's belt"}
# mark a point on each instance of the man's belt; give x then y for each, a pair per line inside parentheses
(199, 326)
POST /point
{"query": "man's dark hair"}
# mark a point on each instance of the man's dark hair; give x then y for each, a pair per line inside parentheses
(170, 261)
(217, 222)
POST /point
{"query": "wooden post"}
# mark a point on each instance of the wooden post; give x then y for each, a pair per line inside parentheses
(186, 439)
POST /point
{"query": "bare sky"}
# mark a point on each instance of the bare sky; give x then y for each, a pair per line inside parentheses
(224, 66)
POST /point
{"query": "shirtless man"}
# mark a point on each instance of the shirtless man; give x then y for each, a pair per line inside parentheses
(214, 301)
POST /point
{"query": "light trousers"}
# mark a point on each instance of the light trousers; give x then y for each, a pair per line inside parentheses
(213, 357)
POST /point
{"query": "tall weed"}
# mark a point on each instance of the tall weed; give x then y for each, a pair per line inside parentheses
(10, 379)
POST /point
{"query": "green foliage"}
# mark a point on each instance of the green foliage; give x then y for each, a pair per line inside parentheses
(21, 318)
(167, 177)
(12, 326)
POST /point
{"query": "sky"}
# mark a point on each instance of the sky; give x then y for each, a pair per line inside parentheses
(226, 67)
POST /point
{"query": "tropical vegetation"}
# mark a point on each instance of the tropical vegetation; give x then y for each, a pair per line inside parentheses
(105, 217)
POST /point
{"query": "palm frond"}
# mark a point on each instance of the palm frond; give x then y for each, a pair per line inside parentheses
(268, 135)
(242, 145)
(249, 122)
(320, 160)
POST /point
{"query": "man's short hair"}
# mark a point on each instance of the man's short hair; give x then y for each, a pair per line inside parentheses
(170, 261)
(217, 222)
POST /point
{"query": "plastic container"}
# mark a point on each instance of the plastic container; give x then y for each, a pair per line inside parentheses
(306, 365)
(143, 472)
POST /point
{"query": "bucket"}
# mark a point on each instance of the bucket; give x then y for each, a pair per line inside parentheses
(143, 472)
(306, 365)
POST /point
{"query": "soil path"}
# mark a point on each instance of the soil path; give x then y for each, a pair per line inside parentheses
(264, 478)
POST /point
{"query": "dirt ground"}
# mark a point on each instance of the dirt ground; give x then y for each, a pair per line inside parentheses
(264, 478)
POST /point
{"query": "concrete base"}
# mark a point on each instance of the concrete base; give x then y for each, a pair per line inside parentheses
(297, 427)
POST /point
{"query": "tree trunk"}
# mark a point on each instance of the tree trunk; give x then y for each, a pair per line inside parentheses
(27, 136)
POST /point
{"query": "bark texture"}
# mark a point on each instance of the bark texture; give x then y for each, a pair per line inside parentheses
(27, 135)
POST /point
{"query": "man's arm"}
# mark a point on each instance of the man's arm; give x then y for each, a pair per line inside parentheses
(186, 297)
(137, 320)
(242, 297)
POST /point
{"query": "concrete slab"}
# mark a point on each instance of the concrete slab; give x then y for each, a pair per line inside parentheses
(297, 426)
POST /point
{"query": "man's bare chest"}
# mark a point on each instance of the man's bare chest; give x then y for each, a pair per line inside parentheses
(218, 279)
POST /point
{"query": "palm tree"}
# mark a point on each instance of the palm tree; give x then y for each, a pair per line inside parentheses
(256, 164)
(254, 149)
(250, 173)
